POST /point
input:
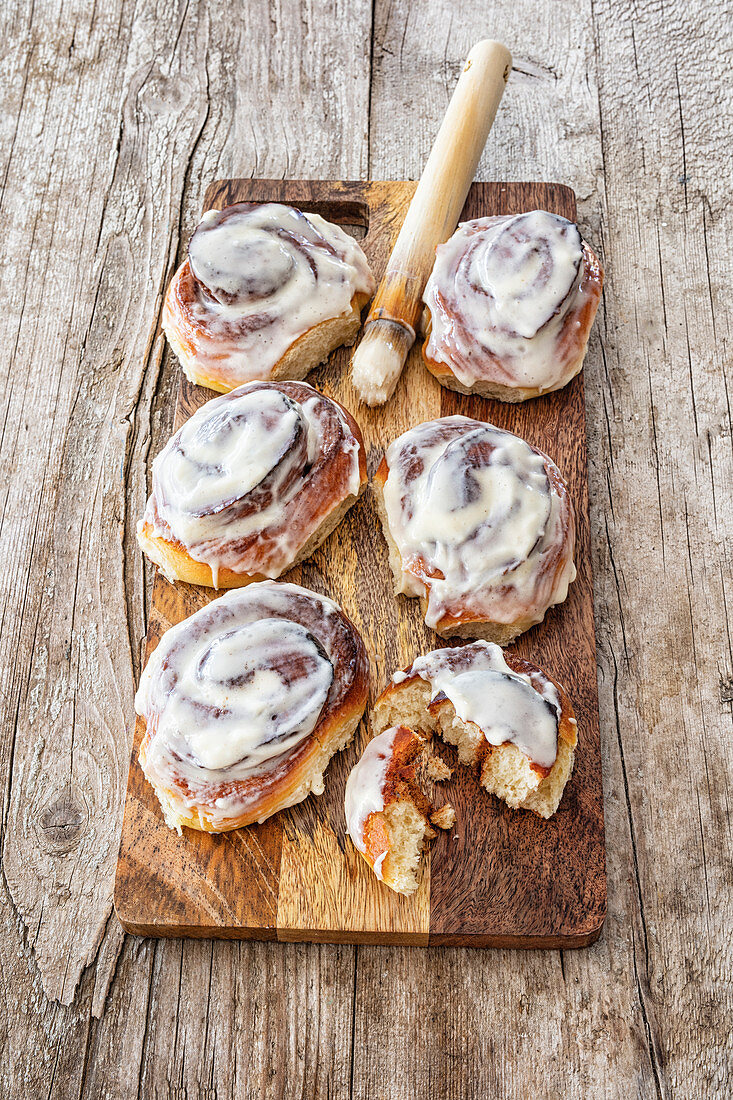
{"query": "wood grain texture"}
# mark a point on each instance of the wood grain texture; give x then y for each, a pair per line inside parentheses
(114, 119)
(502, 877)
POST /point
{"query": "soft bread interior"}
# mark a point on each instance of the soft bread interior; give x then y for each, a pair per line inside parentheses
(444, 818)
(581, 320)
(408, 831)
(438, 770)
(504, 770)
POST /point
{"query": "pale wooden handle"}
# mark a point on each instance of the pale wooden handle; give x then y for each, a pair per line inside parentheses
(451, 167)
(431, 218)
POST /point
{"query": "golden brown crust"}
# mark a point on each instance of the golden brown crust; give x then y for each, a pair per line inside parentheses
(300, 770)
(283, 789)
(176, 563)
(576, 330)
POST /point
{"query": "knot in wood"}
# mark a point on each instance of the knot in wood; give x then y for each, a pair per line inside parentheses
(61, 824)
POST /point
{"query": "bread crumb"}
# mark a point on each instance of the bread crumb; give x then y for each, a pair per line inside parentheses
(437, 769)
(445, 817)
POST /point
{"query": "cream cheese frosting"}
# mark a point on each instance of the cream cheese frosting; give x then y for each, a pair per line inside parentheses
(507, 299)
(234, 689)
(247, 480)
(477, 519)
(507, 706)
(260, 277)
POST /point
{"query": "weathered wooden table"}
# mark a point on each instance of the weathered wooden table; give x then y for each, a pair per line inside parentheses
(115, 118)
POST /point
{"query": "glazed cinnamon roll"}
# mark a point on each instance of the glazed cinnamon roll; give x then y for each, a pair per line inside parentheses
(510, 305)
(503, 714)
(267, 292)
(246, 702)
(479, 525)
(251, 484)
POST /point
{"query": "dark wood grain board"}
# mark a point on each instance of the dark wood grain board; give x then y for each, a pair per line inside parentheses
(501, 877)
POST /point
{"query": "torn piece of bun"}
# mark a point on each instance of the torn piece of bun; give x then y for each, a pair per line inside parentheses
(387, 815)
(503, 714)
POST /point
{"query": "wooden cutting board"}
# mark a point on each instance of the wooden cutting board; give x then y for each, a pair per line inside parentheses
(500, 877)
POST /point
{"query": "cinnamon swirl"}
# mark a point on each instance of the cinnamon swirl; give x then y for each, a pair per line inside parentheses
(251, 484)
(510, 305)
(504, 714)
(479, 525)
(267, 292)
(246, 702)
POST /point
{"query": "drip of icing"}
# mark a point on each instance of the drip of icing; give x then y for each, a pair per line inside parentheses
(474, 505)
(229, 692)
(499, 295)
(365, 790)
(507, 706)
(231, 485)
(261, 276)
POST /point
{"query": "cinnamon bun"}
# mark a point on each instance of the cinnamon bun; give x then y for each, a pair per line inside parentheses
(245, 703)
(387, 815)
(510, 305)
(503, 714)
(479, 525)
(251, 484)
(267, 292)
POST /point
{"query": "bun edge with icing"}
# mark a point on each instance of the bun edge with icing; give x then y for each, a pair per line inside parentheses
(394, 837)
(176, 563)
(303, 771)
(492, 389)
(304, 354)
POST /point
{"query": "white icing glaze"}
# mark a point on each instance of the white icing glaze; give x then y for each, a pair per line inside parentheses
(499, 296)
(265, 275)
(476, 506)
(233, 689)
(365, 790)
(229, 484)
(507, 706)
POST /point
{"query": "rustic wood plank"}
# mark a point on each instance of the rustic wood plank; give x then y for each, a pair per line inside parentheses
(643, 1012)
(665, 469)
